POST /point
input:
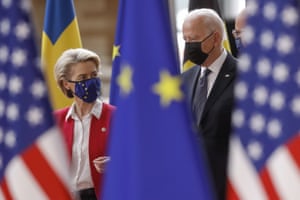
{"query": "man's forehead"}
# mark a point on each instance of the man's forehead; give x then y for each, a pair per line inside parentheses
(240, 21)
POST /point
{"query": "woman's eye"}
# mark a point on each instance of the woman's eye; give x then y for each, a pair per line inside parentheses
(81, 78)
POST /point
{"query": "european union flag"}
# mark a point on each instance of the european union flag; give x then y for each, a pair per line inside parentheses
(154, 153)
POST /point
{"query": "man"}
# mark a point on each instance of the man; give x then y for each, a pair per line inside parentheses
(240, 23)
(203, 31)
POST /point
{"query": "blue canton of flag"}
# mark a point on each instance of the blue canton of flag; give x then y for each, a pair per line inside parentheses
(154, 152)
(33, 162)
(264, 156)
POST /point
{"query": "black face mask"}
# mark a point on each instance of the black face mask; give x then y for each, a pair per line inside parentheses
(194, 51)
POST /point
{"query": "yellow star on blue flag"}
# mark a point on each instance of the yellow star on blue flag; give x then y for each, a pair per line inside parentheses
(125, 80)
(168, 88)
(116, 51)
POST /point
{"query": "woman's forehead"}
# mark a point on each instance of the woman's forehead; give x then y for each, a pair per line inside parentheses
(84, 67)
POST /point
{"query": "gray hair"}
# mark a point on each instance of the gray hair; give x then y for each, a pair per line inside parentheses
(68, 58)
(213, 21)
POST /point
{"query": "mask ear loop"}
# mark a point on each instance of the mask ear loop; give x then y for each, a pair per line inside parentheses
(211, 50)
(206, 39)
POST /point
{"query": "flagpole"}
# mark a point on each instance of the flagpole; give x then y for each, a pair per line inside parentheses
(172, 14)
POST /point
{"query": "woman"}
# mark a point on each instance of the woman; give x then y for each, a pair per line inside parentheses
(85, 124)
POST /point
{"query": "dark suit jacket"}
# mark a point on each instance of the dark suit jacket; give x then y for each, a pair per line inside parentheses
(215, 124)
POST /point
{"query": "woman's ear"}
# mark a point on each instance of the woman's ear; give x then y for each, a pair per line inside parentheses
(66, 84)
(67, 88)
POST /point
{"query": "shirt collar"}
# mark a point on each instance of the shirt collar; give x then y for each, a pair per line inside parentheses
(96, 110)
(217, 64)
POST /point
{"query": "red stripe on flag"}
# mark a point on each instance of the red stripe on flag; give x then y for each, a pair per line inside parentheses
(44, 174)
(231, 194)
(5, 190)
(293, 147)
(268, 185)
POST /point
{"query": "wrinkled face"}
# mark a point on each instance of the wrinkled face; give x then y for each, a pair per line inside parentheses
(81, 71)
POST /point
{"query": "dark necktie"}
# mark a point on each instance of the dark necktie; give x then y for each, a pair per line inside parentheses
(200, 96)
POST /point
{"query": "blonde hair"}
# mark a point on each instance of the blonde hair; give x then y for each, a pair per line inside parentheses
(68, 58)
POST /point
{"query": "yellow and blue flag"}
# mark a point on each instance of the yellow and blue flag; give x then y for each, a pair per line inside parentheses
(154, 151)
(60, 32)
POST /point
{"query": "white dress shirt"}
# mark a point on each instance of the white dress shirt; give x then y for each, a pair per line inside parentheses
(80, 167)
(215, 68)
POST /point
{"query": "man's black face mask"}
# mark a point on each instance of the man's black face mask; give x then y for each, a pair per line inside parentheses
(195, 53)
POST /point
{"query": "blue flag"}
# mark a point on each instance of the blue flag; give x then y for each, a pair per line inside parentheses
(264, 155)
(154, 152)
(33, 159)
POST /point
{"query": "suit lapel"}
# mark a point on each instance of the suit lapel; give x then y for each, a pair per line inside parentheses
(68, 129)
(224, 78)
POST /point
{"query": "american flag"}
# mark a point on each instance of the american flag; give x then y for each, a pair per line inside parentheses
(265, 148)
(33, 162)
